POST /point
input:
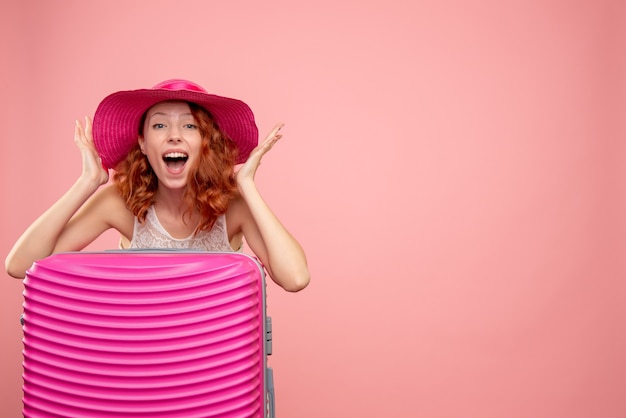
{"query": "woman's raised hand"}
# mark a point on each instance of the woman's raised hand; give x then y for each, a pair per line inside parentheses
(249, 168)
(93, 171)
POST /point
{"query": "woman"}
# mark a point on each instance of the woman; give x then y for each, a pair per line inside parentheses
(174, 148)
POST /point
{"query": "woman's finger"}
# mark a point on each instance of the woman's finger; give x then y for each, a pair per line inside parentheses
(88, 129)
(274, 131)
(78, 132)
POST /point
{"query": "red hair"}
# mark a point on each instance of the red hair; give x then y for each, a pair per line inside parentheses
(211, 183)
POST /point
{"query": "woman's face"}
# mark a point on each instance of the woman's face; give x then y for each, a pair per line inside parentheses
(171, 140)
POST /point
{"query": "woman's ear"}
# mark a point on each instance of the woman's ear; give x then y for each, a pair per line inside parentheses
(142, 144)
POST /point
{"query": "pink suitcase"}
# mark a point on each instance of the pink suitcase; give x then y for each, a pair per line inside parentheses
(146, 334)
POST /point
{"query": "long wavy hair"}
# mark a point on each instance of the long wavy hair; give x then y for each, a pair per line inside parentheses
(211, 183)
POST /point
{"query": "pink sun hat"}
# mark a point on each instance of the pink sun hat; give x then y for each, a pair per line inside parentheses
(117, 118)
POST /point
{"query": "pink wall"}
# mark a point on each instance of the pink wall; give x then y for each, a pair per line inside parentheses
(454, 169)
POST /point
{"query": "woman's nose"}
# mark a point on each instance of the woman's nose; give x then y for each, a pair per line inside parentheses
(174, 134)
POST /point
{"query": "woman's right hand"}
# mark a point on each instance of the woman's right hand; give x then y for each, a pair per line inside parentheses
(69, 224)
(93, 170)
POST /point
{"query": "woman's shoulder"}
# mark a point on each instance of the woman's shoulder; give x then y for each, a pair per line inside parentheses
(112, 206)
(109, 195)
(237, 210)
(237, 204)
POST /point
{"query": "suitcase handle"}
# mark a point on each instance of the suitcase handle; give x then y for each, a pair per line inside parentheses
(270, 406)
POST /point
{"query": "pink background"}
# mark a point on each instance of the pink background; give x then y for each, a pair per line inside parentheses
(454, 169)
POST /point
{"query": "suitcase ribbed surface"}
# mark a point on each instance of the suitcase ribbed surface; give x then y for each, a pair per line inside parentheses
(144, 335)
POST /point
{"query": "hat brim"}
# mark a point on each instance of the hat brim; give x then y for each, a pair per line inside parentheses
(116, 121)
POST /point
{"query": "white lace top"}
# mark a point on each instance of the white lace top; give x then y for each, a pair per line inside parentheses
(151, 234)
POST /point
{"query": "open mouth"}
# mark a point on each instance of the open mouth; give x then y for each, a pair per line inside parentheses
(175, 160)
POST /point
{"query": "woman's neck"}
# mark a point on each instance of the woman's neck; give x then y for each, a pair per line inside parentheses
(174, 214)
(171, 200)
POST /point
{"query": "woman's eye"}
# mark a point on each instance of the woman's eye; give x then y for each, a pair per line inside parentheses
(190, 126)
(158, 126)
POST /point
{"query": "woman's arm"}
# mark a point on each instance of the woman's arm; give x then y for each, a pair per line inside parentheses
(277, 249)
(50, 232)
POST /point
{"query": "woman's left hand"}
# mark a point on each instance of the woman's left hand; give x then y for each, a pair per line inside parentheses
(269, 240)
(249, 168)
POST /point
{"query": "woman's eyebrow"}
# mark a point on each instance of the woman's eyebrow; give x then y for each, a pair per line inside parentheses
(167, 114)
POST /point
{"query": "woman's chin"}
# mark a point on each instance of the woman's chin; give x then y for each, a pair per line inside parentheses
(173, 183)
